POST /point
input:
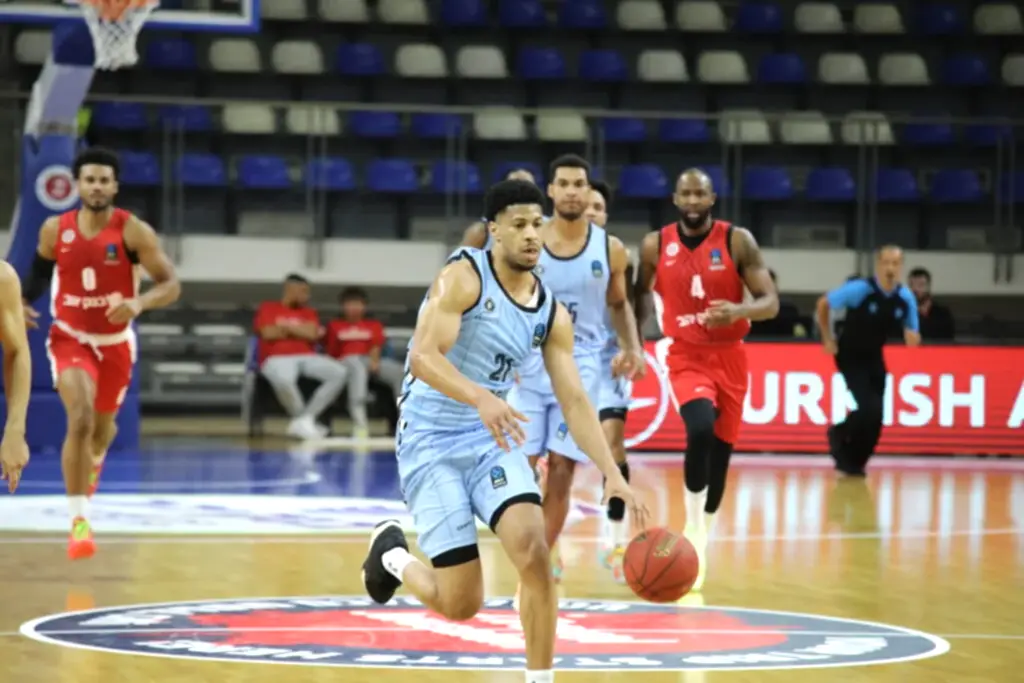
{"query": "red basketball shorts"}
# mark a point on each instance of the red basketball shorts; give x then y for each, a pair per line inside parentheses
(109, 365)
(718, 374)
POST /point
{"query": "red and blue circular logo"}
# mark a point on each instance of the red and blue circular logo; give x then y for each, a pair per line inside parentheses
(593, 635)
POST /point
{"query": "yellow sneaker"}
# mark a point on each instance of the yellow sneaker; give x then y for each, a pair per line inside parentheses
(698, 537)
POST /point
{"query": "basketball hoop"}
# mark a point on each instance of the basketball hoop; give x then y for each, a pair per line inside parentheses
(114, 26)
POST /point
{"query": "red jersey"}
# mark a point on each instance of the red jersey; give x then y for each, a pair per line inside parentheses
(92, 274)
(346, 338)
(275, 313)
(687, 281)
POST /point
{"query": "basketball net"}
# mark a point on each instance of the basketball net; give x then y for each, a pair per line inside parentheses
(114, 26)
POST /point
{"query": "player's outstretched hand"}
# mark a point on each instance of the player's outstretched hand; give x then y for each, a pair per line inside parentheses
(13, 459)
(618, 487)
(31, 316)
(502, 420)
(125, 311)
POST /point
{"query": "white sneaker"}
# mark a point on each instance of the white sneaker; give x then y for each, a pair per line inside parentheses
(304, 427)
(698, 537)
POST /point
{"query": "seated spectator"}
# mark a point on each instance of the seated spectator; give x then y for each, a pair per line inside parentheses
(786, 325)
(936, 320)
(354, 337)
(288, 331)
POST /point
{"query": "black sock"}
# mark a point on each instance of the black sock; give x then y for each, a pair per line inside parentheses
(617, 506)
(718, 470)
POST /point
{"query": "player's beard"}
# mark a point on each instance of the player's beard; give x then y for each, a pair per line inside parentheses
(97, 206)
(694, 223)
(520, 266)
(569, 216)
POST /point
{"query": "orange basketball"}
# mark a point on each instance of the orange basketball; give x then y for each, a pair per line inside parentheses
(660, 566)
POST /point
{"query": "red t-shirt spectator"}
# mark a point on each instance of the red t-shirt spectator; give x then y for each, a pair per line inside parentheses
(276, 313)
(346, 338)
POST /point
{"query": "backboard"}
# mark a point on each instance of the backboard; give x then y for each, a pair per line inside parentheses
(217, 16)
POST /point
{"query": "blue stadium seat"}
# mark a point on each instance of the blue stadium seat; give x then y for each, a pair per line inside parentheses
(624, 130)
(392, 176)
(1011, 188)
(177, 54)
(896, 185)
(522, 14)
(781, 68)
(463, 13)
(687, 131)
(603, 66)
(540, 63)
(435, 126)
(955, 186)
(138, 169)
(758, 17)
(927, 134)
(830, 184)
(767, 183)
(119, 116)
(719, 181)
(374, 124)
(455, 176)
(939, 19)
(330, 173)
(503, 169)
(988, 134)
(643, 181)
(263, 172)
(190, 118)
(965, 70)
(582, 14)
(200, 169)
(360, 59)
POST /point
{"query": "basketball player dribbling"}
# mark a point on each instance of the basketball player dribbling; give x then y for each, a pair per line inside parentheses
(697, 268)
(459, 444)
(17, 378)
(585, 268)
(614, 395)
(95, 251)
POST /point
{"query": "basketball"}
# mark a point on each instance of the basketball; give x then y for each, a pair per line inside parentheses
(660, 566)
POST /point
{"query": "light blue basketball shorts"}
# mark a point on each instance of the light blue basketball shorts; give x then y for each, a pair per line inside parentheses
(614, 393)
(449, 478)
(546, 430)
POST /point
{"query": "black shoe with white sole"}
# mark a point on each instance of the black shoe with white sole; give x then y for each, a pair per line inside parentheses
(380, 584)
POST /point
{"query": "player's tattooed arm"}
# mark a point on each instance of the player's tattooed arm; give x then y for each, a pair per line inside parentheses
(475, 235)
(650, 251)
(143, 240)
(580, 415)
(456, 290)
(756, 277)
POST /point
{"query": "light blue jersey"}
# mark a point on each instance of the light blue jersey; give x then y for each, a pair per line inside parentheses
(449, 465)
(580, 283)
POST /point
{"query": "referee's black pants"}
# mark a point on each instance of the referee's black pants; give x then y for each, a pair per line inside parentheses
(857, 436)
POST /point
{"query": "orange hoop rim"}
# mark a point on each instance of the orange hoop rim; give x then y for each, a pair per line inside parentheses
(114, 10)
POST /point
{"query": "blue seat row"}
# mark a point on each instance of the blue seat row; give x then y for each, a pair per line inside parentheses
(642, 181)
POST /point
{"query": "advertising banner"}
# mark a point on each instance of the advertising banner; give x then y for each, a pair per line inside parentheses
(939, 400)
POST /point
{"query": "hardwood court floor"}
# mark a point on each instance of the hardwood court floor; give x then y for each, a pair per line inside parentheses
(937, 549)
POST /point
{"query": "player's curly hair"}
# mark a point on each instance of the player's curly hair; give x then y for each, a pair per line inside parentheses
(97, 156)
(569, 161)
(510, 193)
(603, 189)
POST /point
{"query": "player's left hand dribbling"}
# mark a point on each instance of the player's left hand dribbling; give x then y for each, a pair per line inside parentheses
(13, 459)
(125, 311)
(720, 313)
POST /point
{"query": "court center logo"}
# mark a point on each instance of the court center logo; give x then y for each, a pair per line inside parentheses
(593, 635)
(55, 188)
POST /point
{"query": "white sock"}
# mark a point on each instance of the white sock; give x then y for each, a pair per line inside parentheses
(709, 521)
(620, 533)
(695, 508)
(78, 506)
(540, 676)
(396, 560)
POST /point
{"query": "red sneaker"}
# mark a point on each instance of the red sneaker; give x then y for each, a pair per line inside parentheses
(81, 545)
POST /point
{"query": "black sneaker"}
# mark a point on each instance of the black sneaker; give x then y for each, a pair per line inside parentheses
(379, 583)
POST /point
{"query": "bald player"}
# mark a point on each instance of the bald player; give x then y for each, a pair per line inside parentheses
(17, 377)
(476, 235)
(698, 269)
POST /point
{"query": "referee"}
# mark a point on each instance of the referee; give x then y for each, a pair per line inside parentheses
(878, 309)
